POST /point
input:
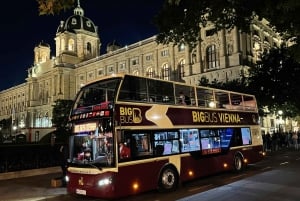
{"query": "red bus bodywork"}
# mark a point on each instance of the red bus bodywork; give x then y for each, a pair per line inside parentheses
(150, 171)
(144, 175)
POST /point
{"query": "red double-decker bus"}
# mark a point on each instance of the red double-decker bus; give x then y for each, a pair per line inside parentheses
(133, 134)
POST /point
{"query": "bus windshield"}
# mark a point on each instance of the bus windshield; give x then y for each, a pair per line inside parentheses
(92, 140)
(92, 143)
(99, 94)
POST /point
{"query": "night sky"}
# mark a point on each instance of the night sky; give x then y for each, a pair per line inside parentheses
(22, 29)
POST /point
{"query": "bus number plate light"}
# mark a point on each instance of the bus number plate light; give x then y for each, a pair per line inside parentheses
(80, 192)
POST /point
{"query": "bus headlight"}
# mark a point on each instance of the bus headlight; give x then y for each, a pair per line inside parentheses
(104, 181)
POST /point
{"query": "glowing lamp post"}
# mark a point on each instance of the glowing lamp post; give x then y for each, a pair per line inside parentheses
(15, 128)
(280, 120)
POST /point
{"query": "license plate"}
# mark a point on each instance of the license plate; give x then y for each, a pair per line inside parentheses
(80, 192)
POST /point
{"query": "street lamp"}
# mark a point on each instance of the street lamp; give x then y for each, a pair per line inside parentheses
(280, 120)
(14, 128)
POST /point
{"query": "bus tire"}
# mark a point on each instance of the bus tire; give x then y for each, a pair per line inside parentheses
(168, 179)
(238, 163)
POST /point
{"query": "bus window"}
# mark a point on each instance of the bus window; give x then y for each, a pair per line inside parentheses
(222, 99)
(225, 136)
(162, 91)
(138, 143)
(133, 89)
(205, 97)
(97, 93)
(246, 136)
(166, 143)
(249, 103)
(189, 139)
(210, 141)
(236, 138)
(236, 102)
(82, 146)
(184, 94)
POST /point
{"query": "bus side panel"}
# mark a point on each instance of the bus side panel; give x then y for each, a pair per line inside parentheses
(193, 167)
(144, 174)
(253, 154)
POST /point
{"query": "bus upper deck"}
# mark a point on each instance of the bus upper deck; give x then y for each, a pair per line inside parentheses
(155, 91)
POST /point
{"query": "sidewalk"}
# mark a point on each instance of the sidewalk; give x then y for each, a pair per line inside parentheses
(30, 188)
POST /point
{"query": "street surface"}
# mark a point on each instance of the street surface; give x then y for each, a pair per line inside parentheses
(275, 178)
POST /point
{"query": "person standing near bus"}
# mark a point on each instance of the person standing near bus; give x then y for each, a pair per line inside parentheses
(63, 156)
(295, 140)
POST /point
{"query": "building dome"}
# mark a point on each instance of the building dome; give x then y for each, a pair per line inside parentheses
(112, 46)
(43, 44)
(77, 22)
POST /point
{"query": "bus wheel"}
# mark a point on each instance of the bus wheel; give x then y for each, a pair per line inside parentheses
(238, 163)
(168, 180)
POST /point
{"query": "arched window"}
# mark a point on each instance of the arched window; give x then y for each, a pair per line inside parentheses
(181, 68)
(71, 45)
(212, 57)
(63, 44)
(135, 72)
(89, 48)
(150, 72)
(46, 120)
(38, 120)
(43, 57)
(165, 72)
(181, 47)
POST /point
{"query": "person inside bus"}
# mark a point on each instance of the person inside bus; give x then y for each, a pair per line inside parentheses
(151, 99)
(159, 149)
(124, 151)
(183, 99)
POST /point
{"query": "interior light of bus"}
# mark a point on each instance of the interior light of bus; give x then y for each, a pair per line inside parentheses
(191, 173)
(135, 186)
(212, 104)
(104, 181)
(225, 165)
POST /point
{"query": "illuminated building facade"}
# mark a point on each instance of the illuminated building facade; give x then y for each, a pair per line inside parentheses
(221, 56)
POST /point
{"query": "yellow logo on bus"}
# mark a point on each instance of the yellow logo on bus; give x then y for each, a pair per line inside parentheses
(130, 115)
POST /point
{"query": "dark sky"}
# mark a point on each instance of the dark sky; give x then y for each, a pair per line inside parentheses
(126, 21)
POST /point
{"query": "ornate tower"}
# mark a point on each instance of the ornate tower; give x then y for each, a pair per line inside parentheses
(41, 53)
(77, 38)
